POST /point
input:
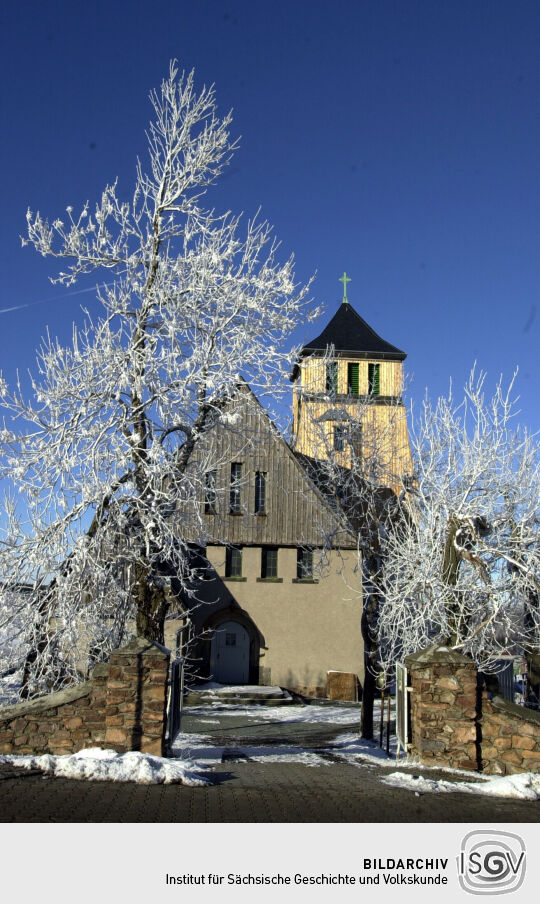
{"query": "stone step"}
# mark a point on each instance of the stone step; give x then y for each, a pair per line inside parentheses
(243, 695)
(238, 701)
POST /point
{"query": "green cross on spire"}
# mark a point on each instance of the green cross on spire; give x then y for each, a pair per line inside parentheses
(344, 279)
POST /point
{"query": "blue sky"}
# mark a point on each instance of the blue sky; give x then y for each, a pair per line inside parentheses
(399, 141)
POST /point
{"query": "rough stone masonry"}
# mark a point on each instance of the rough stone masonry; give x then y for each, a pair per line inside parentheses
(122, 707)
(454, 724)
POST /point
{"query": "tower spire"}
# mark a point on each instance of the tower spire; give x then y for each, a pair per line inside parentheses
(344, 279)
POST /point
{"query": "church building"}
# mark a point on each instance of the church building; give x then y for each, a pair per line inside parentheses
(282, 600)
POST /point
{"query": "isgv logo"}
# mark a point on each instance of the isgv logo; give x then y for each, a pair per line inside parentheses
(491, 863)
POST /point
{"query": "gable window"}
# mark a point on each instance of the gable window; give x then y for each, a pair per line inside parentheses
(353, 379)
(269, 563)
(234, 497)
(374, 379)
(304, 564)
(332, 377)
(233, 562)
(210, 497)
(340, 434)
(260, 492)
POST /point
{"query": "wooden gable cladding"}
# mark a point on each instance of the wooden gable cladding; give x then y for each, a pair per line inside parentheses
(295, 511)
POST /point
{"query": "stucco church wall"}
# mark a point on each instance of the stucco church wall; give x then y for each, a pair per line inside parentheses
(309, 628)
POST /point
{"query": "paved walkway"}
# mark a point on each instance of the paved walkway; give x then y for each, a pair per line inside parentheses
(252, 791)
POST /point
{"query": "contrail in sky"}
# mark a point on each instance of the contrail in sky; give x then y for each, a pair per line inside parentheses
(31, 304)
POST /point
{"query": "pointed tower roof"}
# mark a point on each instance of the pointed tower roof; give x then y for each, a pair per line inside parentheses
(351, 337)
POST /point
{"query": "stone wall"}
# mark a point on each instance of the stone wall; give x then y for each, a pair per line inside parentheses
(122, 706)
(58, 723)
(454, 723)
(510, 738)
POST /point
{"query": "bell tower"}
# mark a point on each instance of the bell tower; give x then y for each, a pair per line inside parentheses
(347, 398)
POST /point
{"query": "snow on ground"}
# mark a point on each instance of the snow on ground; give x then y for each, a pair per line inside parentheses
(352, 749)
(525, 786)
(355, 750)
(347, 747)
(254, 690)
(196, 748)
(98, 765)
(284, 754)
(199, 750)
(335, 715)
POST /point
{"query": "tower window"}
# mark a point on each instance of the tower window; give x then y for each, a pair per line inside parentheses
(355, 437)
(210, 492)
(332, 377)
(304, 564)
(233, 562)
(269, 562)
(353, 379)
(374, 379)
(260, 492)
(340, 434)
(234, 497)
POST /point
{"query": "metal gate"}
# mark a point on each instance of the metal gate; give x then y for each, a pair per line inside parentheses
(402, 708)
(505, 676)
(176, 695)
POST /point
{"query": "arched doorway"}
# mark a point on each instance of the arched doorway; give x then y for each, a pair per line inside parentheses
(229, 654)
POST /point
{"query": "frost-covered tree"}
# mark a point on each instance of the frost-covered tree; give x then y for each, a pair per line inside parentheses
(461, 565)
(100, 451)
(363, 465)
(449, 542)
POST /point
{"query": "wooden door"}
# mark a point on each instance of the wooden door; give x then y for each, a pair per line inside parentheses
(229, 661)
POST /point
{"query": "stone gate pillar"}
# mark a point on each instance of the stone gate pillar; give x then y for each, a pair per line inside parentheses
(136, 698)
(443, 708)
